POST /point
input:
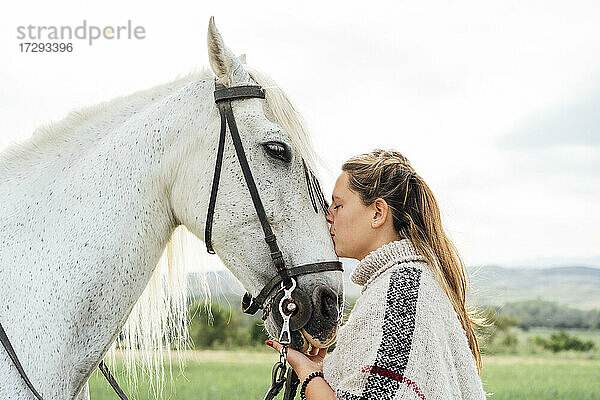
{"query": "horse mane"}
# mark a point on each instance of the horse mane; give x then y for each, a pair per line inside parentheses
(289, 118)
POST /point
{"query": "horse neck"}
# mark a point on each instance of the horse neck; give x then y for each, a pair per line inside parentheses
(85, 241)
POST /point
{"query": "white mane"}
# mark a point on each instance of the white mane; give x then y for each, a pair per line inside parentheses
(290, 119)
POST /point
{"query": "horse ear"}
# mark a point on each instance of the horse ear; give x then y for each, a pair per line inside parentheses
(242, 58)
(224, 64)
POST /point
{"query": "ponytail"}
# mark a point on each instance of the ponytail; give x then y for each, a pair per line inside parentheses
(416, 216)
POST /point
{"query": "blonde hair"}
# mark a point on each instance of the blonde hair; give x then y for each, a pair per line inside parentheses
(387, 174)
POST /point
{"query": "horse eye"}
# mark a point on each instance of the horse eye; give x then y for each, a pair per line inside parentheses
(278, 150)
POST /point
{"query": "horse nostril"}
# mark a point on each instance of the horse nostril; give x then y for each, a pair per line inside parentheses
(326, 304)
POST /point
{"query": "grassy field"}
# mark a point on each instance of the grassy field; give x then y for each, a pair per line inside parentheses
(217, 375)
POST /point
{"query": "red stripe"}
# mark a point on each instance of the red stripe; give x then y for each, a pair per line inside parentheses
(372, 369)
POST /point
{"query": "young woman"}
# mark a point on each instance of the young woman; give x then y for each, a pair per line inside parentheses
(410, 334)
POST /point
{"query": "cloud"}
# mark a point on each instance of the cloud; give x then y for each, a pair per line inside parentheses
(574, 124)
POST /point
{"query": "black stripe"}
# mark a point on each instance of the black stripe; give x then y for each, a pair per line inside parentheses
(398, 328)
(341, 395)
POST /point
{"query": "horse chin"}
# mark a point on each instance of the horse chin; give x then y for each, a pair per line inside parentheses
(310, 342)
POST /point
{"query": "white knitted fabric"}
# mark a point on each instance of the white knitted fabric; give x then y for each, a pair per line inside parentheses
(403, 339)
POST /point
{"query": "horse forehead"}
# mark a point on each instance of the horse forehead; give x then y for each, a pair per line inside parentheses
(251, 112)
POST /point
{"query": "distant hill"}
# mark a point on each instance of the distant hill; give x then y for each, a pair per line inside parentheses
(574, 286)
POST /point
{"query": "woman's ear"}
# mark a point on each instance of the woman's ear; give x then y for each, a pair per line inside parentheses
(380, 212)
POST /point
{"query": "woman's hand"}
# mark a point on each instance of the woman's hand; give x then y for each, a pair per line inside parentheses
(302, 364)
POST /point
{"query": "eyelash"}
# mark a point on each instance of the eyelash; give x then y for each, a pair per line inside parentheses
(336, 207)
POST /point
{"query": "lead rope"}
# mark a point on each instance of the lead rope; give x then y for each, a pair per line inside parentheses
(112, 381)
(13, 356)
(278, 377)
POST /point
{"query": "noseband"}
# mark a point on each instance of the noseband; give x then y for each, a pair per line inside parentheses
(250, 305)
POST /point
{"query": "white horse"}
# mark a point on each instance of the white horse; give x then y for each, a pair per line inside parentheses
(89, 204)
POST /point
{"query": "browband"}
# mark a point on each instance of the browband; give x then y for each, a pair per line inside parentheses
(238, 92)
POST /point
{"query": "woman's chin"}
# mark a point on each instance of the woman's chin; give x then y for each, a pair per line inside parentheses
(338, 251)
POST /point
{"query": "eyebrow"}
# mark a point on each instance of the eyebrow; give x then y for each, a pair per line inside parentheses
(334, 198)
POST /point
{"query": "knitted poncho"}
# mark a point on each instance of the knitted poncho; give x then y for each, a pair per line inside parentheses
(403, 339)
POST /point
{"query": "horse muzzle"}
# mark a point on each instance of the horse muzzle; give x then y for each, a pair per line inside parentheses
(315, 318)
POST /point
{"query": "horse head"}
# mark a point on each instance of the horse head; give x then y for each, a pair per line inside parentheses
(281, 162)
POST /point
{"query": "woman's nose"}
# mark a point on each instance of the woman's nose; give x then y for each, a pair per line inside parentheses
(329, 218)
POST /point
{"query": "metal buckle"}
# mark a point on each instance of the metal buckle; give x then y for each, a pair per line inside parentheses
(285, 337)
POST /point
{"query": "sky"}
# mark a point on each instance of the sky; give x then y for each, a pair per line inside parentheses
(496, 104)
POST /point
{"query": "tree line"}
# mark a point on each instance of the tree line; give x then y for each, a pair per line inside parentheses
(225, 326)
(499, 335)
(549, 314)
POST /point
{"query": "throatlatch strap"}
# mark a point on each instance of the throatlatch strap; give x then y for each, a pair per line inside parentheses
(215, 185)
(223, 97)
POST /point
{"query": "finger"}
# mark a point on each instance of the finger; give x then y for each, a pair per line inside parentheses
(319, 356)
(323, 352)
(274, 344)
(293, 356)
(296, 359)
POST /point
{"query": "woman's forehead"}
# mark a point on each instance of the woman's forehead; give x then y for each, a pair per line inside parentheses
(340, 190)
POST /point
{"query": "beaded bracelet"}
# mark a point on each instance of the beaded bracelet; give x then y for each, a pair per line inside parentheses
(305, 383)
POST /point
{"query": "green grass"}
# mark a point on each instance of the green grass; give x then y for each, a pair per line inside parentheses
(204, 381)
(532, 377)
(243, 375)
(223, 375)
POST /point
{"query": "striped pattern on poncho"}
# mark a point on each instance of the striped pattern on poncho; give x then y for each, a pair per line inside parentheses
(403, 339)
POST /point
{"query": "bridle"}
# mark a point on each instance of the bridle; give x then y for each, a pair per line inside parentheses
(250, 305)
(295, 314)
